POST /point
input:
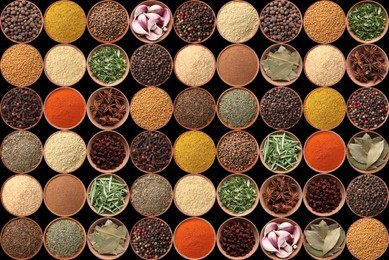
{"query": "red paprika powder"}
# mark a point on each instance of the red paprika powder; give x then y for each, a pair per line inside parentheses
(65, 108)
(324, 151)
(194, 238)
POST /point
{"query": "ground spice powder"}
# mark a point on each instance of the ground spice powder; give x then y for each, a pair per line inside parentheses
(194, 238)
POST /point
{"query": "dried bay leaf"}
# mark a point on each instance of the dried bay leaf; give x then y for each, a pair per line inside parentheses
(281, 65)
(358, 153)
(314, 239)
(108, 246)
(374, 153)
(313, 251)
(339, 243)
(331, 240)
(108, 239)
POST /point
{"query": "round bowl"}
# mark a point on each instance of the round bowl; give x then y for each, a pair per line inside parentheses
(227, 210)
(109, 133)
(339, 184)
(273, 48)
(241, 220)
(264, 188)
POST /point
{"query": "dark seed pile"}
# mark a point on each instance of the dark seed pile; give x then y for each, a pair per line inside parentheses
(108, 21)
(367, 195)
(107, 152)
(323, 195)
(281, 108)
(151, 65)
(151, 238)
(21, 108)
(367, 108)
(21, 21)
(237, 151)
(194, 21)
(281, 20)
(237, 238)
(151, 151)
(194, 108)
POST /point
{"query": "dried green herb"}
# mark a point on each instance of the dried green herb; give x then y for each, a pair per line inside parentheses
(324, 240)
(367, 21)
(281, 65)
(108, 64)
(237, 194)
(368, 153)
(109, 238)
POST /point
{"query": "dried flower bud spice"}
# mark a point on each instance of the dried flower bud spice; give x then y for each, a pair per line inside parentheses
(367, 108)
(151, 65)
(21, 238)
(151, 238)
(151, 151)
(194, 21)
(237, 238)
(367, 195)
(21, 21)
(323, 194)
(108, 21)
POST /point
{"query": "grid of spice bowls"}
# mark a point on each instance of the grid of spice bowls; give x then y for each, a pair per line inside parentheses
(100, 222)
(319, 190)
(226, 224)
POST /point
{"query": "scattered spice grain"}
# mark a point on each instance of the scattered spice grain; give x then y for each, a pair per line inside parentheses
(21, 151)
(194, 195)
(21, 195)
(324, 21)
(324, 108)
(151, 108)
(194, 65)
(324, 65)
(64, 21)
(194, 151)
(367, 239)
(21, 65)
(237, 22)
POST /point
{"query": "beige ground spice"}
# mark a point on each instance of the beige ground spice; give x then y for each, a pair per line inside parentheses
(324, 65)
(237, 22)
(21, 195)
(194, 195)
(21, 65)
(194, 65)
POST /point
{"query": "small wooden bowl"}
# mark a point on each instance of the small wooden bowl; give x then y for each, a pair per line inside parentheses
(168, 27)
(214, 25)
(126, 200)
(241, 220)
(83, 115)
(45, 194)
(299, 156)
(218, 65)
(274, 48)
(40, 231)
(175, 105)
(40, 30)
(174, 240)
(178, 206)
(266, 207)
(101, 222)
(375, 39)
(252, 121)
(45, 59)
(97, 38)
(117, 82)
(351, 72)
(316, 170)
(372, 134)
(329, 221)
(279, 221)
(291, 39)
(83, 232)
(7, 166)
(338, 183)
(171, 241)
(227, 210)
(110, 133)
(90, 103)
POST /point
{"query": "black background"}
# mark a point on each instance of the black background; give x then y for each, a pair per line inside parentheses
(259, 86)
